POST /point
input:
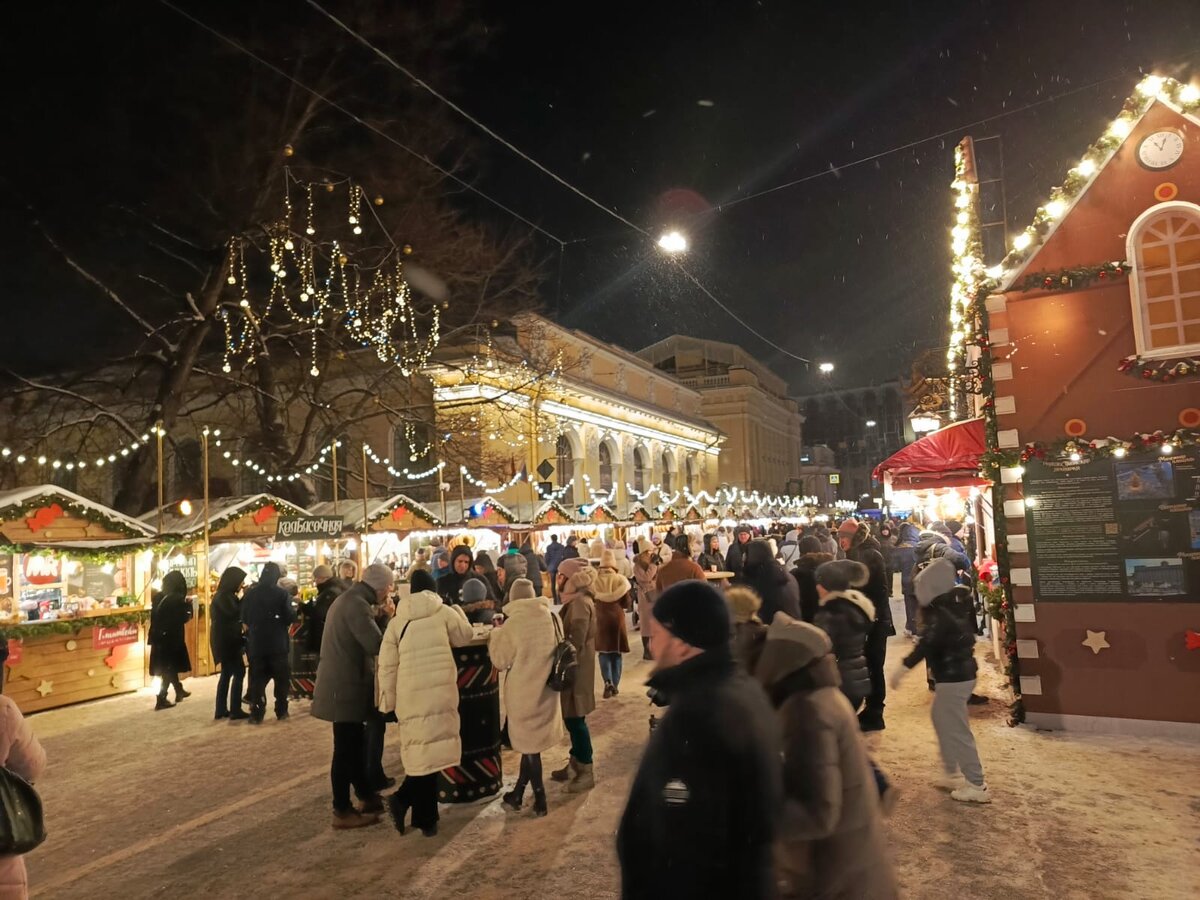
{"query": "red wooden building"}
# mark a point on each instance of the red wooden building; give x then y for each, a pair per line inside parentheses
(1090, 333)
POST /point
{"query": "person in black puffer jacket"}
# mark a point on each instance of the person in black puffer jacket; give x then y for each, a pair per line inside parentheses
(811, 556)
(948, 643)
(846, 615)
(856, 540)
(766, 577)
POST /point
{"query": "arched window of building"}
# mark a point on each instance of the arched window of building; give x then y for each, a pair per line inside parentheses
(666, 472)
(564, 466)
(1164, 245)
(606, 468)
(640, 475)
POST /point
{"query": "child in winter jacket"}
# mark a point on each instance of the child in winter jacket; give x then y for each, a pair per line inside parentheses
(948, 643)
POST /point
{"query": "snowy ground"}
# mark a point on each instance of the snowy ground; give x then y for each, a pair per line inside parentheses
(146, 804)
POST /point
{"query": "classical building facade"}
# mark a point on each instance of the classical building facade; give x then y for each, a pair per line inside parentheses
(746, 401)
(594, 423)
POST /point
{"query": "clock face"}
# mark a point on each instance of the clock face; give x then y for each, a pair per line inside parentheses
(1160, 150)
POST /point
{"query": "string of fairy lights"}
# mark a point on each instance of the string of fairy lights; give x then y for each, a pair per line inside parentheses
(316, 289)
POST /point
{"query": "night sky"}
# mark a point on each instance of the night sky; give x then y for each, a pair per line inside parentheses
(666, 111)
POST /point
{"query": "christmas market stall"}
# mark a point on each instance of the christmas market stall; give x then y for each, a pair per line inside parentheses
(391, 526)
(247, 532)
(1085, 342)
(74, 596)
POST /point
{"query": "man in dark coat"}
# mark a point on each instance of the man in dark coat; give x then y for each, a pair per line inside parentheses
(553, 556)
(227, 643)
(904, 557)
(267, 613)
(345, 691)
(763, 573)
(462, 568)
(811, 556)
(859, 545)
(170, 612)
(534, 567)
(734, 558)
(328, 590)
(704, 807)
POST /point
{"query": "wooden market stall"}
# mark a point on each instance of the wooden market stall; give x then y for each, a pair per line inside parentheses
(245, 531)
(386, 524)
(74, 596)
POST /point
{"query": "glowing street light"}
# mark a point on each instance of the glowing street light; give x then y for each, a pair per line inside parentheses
(871, 423)
(673, 242)
(825, 368)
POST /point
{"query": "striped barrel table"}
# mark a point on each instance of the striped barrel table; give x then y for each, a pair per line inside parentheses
(478, 773)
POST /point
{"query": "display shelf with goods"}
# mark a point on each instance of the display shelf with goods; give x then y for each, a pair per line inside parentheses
(74, 596)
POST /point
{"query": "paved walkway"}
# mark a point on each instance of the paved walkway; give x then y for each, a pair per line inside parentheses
(144, 804)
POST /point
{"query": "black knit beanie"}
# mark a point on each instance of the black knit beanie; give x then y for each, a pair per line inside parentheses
(422, 581)
(696, 613)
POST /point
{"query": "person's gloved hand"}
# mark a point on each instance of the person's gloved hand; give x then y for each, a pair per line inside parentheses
(897, 676)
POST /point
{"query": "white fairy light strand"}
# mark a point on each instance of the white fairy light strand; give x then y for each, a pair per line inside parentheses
(7, 454)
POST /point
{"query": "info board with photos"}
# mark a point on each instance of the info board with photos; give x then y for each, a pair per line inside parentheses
(1124, 529)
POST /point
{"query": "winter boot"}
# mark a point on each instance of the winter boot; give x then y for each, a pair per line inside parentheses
(238, 715)
(372, 806)
(539, 804)
(162, 703)
(608, 690)
(514, 798)
(566, 772)
(397, 806)
(181, 694)
(584, 780)
(871, 720)
(352, 819)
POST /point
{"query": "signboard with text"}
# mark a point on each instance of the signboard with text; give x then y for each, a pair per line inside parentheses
(302, 528)
(106, 637)
(1115, 529)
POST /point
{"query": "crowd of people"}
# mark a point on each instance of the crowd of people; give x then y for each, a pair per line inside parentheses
(756, 777)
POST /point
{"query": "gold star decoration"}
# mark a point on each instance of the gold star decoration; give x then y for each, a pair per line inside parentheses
(45, 688)
(1096, 641)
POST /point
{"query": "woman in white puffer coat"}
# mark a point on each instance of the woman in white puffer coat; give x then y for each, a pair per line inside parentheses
(418, 680)
(523, 649)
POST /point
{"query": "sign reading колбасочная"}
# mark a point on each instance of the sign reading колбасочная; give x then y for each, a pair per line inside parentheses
(291, 528)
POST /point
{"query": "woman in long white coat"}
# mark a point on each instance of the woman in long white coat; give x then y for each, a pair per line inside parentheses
(419, 682)
(523, 649)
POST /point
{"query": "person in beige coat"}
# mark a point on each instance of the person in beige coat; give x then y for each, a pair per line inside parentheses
(645, 575)
(418, 680)
(578, 615)
(523, 650)
(831, 842)
(21, 753)
(611, 591)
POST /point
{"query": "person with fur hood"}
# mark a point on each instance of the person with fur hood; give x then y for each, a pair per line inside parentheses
(830, 843)
(749, 632)
(611, 593)
(418, 681)
(710, 559)
(859, 545)
(578, 616)
(645, 576)
(846, 615)
(523, 650)
(811, 556)
(948, 644)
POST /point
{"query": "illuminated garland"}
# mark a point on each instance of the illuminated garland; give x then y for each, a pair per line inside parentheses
(403, 502)
(72, 626)
(9, 455)
(1079, 449)
(1160, 369)
(1072, 279)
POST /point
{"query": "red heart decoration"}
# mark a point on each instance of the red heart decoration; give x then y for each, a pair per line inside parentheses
(398, 513)
(1193, 639)
(263, 514)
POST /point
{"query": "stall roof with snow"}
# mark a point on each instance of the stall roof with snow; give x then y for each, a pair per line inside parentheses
(396, 513)
(50, 516)
(250, 518)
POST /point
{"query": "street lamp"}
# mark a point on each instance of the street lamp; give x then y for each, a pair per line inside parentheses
(825, 368)
(673, 242)
(871, 423)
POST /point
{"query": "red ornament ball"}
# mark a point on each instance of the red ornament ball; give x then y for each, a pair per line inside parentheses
(1116, 271)
(1146, 373)
(1047, 282)
(1103, 274)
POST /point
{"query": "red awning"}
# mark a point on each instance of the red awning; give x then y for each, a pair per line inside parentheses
(948, 457)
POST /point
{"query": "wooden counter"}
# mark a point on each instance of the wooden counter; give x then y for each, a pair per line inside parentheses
(52, 668)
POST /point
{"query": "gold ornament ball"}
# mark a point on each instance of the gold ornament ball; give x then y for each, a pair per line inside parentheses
(343, 259)
(288, 150)
(329, 188)
(408, 249)
(495, 323)
(378, 200)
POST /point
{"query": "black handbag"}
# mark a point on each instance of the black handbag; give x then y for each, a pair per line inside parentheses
(565, 663)
(22, 827)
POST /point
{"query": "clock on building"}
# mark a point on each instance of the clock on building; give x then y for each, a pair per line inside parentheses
(1160, 150)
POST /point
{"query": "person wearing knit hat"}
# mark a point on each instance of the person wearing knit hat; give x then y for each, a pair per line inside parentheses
(611, 591)
(840, 849)
(711, 769)
(476, 601)
(578, 613)
(523, 650)
(948, 643)
(860, 545)
(344, 693)
(421, 581)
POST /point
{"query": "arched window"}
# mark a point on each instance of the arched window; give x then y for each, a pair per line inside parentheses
(666, 470)
(564, 466)
(606, 469)
(640, 476)
(1164, 245)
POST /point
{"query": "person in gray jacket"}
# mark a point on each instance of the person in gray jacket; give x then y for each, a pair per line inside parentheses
(345, 691)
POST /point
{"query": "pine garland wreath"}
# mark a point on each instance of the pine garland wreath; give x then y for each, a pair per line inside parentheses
(73, 625)
(1164, 370)
(25, 509)
(1073, 278)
